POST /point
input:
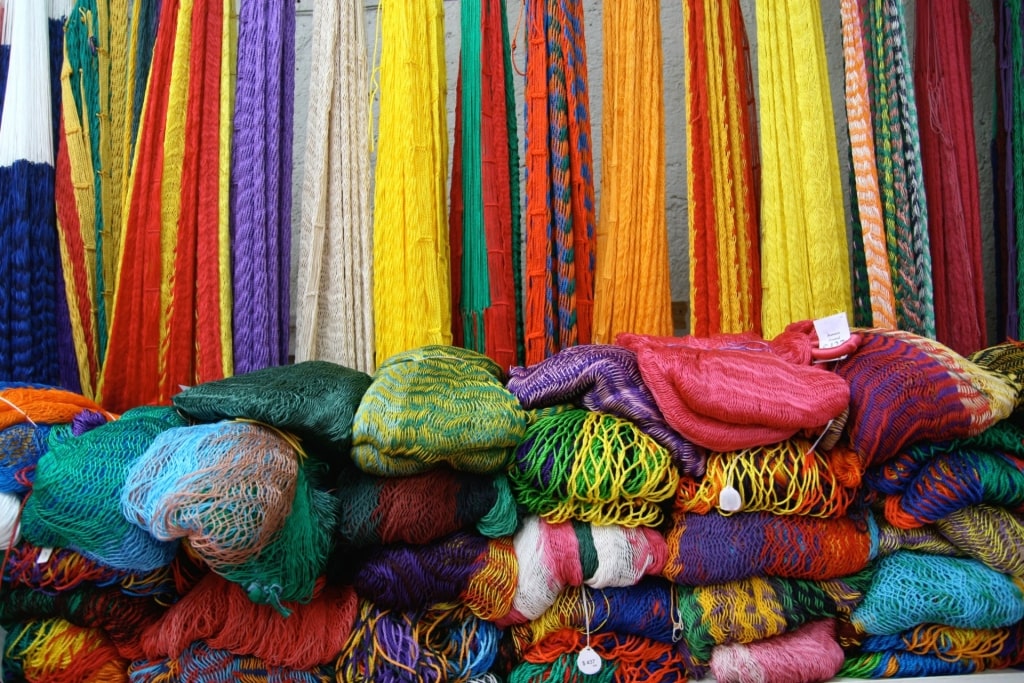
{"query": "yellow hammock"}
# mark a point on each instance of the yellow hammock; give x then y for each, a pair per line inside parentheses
(805, 270)
(632, 287)
(411, 274)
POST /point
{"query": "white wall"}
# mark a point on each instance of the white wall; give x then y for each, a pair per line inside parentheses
(675, 105)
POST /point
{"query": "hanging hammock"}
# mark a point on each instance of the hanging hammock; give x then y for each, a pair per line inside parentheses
(411, 275)
(898, 154)
(879, 309)
(721, 137)
(28, 238)
(942, 75)
(261, 167)
(560, 207)
(804, 258)
(484, 216)
(1007, 164)
(334, 316)
(167, 325)
(632, 288)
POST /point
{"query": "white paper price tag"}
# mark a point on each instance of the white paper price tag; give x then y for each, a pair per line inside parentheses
(832, 331)
(729, 500)
(588, 661)
(44, 555)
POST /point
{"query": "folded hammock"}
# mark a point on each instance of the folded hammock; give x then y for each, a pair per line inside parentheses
(911, 588)
(592, 467)
(444, 644)
(200, 662)
(602, 378)
(809, 654)
(711, 548)
(906, 389)
(437, 405)
(76, 497)
(315, 400)
(58, 651)
(462, 568)
(421, 508)
(220, 614)
(555, 556)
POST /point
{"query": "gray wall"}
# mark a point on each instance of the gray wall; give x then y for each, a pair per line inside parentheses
(675, 104)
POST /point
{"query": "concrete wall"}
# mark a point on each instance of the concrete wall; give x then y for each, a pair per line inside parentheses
(675, 104)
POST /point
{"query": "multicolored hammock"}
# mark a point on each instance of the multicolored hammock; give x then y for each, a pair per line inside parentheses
(166, 328)
(722, 171)
(898, 154)
(560, 207)
(874, 301)
(484, 217)
(804, 251)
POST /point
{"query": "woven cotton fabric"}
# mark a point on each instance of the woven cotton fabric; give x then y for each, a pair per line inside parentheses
(436, 405)
(905, 389)
(592, 467)
(711, 548)
(76, 496)
(912, 588)
(602, 378)
(316, 400)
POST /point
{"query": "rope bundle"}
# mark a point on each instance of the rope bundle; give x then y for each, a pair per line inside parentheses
(711, 548)
(786, 478)
(316, 400)
(334, 316)
(554, 556)
(911, 588)
(226, 487)
(436, 405)
(421, 508)
(200, 662)
(906, 389)
(806, 655)
(75, 501)
(942, 77)
(592, 467)
(436, 646)
(602, 378)
(462, 567)
(220, 614)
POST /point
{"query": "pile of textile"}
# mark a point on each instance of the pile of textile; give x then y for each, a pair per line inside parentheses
(660, 509)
